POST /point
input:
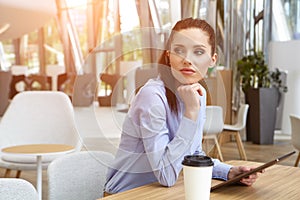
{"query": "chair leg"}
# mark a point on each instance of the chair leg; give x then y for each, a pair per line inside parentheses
(7, 173)
(18, 174)
(218, 148)
(212, 151)
(221, 138)
(240, 146)
(215, 152)
(238, 141)
(297, 161)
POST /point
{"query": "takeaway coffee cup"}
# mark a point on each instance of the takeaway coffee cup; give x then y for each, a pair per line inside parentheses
(197, 172)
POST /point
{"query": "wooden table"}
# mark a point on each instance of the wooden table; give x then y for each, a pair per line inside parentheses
(277, 182)
(38, 150)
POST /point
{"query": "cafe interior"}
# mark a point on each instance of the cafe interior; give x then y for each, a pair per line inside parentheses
(70, 69)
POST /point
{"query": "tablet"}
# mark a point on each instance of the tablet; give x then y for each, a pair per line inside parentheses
(257, 169)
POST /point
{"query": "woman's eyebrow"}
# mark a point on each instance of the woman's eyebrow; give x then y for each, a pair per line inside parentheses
(180, 45)
(195, 46)
(200, 45)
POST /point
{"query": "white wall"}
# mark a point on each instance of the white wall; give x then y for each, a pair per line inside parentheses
(286, 56)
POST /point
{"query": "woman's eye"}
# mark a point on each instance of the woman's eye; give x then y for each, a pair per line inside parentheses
(179, 50)
(198, 52)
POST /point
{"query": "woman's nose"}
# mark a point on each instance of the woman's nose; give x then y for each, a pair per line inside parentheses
(187, 58)
(187, 61)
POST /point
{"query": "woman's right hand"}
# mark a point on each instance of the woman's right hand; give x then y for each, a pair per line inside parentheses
(190, 97)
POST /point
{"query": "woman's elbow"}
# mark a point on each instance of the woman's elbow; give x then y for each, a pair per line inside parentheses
(167, 182)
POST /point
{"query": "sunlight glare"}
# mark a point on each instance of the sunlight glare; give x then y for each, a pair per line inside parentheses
(77, 3)
(129, 15)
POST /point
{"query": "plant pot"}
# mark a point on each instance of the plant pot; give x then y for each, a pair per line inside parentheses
(261, 118)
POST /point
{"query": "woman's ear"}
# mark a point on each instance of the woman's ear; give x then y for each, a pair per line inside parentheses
(167, 53)
(167, 57)
(213, 60)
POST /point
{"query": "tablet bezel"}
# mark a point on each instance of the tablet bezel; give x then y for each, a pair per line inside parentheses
(257, 169)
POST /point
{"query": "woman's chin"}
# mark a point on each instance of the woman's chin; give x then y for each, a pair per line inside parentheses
(187, 82)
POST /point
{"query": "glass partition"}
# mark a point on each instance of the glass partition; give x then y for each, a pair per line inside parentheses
(286, 20)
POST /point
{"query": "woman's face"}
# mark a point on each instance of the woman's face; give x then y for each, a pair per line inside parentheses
(190, 55)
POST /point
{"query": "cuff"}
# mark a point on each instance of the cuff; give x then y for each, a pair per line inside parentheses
(220, 170)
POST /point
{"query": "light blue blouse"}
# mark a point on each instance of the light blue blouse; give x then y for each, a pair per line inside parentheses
(154, 142)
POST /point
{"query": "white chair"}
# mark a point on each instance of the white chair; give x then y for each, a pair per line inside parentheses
(19, 70)
(234, 130)
(37, 117)
(213, 126)
(295, 125)
(78, 176)
(54, 71)
(17, 189)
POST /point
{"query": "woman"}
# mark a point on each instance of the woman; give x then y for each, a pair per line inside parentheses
(166, 118)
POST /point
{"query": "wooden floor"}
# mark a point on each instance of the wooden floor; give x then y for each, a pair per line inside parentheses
(260, 153)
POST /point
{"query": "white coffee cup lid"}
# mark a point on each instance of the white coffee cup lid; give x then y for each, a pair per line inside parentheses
(197, 161)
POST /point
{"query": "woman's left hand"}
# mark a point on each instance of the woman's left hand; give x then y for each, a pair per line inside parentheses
(235, 171)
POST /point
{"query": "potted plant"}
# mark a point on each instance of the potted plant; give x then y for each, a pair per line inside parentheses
(262, 91)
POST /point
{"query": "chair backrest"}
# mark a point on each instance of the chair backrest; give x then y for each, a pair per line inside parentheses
(214, 122)
(19, 70)
(35, 117)
(242, 116)
(78, 176)
(17, 189)
(295, 127)
(18, 84)
(38, 82)
(54, 70)
(84, 90)
(142, 75)
(5, 80)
